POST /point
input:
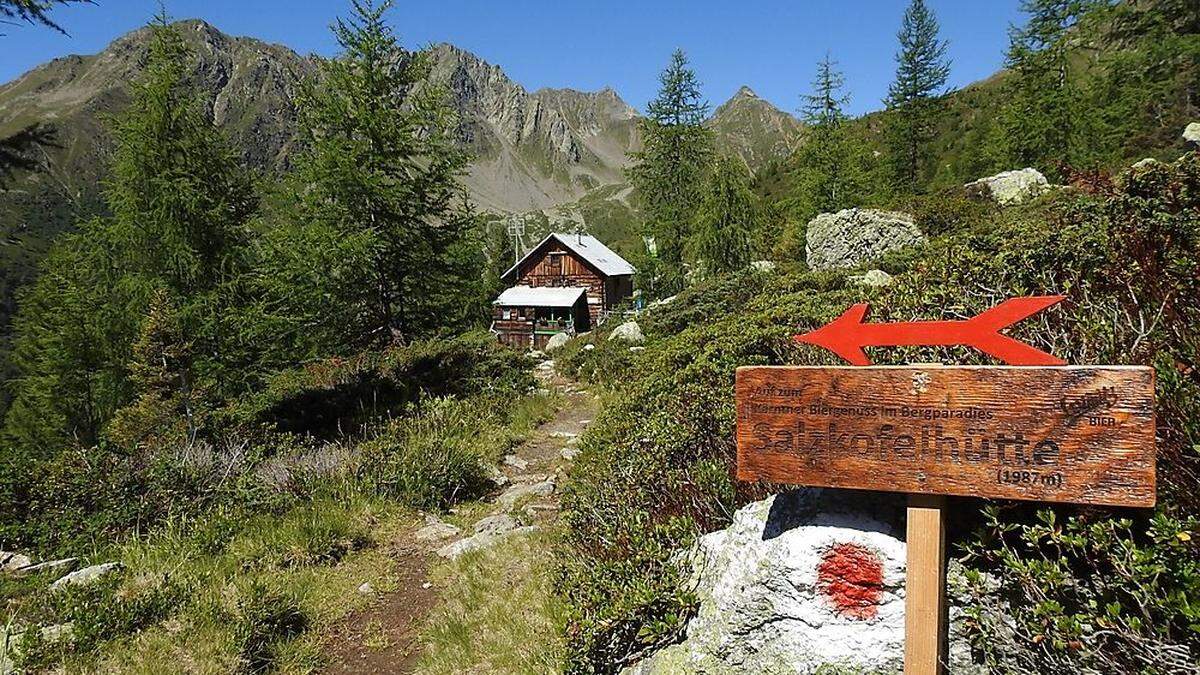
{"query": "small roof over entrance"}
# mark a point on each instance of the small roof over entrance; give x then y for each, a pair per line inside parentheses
(541, 296)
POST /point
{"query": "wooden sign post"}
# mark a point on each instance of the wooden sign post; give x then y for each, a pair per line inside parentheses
(1080, 434)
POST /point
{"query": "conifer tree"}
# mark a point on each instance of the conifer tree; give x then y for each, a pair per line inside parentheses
(179, 202)
(921, 72)
(727, 220)
(1046, 116)
(669, 172)
(829, 163)
(168, 404)
(371, 244)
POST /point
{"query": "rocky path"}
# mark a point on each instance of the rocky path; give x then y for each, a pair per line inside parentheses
(385, 637)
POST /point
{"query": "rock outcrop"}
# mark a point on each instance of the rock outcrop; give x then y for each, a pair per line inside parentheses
(851, 237)
(804, 582)
(1009, 187)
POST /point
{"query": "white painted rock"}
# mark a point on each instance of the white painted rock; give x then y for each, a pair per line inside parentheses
(804, 582)
(589, 347)
(1191, 133)
(11, 561)
(851, 237)
(873, 278)
(1010, 187)
(628, 332)
(520, 491)
(87, 575)
(557, 341)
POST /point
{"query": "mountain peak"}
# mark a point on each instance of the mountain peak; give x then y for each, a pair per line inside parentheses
(745, 92)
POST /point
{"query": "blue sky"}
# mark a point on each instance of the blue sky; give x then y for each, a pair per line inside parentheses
(770, 46)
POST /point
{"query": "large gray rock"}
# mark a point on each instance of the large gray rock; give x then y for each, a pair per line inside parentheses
(1191, 133)
(557, 341)
(851, 237)
(1010, 187)
(86, 576)
(629, 332)
(804, 582)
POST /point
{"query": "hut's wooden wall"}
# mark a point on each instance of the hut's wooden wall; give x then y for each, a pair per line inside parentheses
(557, 265)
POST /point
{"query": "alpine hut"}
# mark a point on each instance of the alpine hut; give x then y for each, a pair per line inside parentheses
(567, 283)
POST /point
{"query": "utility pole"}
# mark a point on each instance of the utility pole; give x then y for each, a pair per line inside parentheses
(516, 230)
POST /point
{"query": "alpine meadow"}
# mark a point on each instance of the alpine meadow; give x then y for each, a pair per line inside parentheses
(374, 360)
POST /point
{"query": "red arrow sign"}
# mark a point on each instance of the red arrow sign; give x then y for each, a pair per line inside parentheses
(847, 335)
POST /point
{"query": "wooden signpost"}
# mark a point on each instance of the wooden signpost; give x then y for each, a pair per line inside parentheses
(1032, 430)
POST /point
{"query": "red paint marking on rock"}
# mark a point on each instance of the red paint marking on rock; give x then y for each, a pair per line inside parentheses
(851, 576)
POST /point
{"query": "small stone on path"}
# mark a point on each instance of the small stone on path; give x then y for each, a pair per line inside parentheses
(518, 492)
(516, 462)
(496, 524)
(366, 588)
(436, 530)
(569, 453)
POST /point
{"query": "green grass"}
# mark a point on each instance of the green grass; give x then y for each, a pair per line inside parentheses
(499, 612)
(238, 590)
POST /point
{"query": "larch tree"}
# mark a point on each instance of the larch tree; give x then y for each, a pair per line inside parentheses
(180, 202)
(921, 72)
(1046, 115)
(725, 226)
(829, 163)
(669, 172)
(371, 245)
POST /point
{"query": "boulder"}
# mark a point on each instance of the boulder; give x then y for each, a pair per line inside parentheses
(854, 236)
(873, 278)
(86, 576)
(803, 582)
(11, 561)
(1009, 187)
(628, 332)
(557, 341)
(1191, 133)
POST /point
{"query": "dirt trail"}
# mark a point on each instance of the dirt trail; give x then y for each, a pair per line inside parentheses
(384, 637)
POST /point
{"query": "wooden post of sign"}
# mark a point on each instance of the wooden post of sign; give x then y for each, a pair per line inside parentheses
(925, 587)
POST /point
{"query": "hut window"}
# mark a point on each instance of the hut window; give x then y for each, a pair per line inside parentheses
(506, 314)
